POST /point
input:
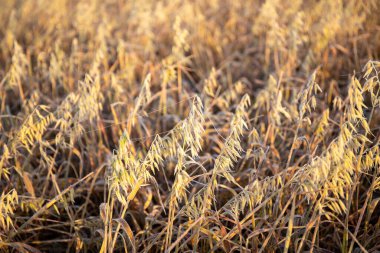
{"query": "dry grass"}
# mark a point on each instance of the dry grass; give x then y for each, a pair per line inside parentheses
(176, 126)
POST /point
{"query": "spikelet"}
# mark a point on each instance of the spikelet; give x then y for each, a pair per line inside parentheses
(192, 128)
(210, 84)
(182, 179)
(230, 96)
(8, 204)
(338, 103)
(143, 97)
(270, 99)
(90, 99)
(5, 156)
(178, 192)
(323, 124)
(56, 73)
(31, 103)
(19, 68)
(306, 98)
(33, 128)
(372, 81)
(232, 147)
(123, 174)
(180, 41)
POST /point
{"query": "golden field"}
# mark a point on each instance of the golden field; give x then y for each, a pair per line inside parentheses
(190, 126)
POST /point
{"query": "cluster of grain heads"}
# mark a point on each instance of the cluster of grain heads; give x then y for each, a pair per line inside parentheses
(201, 204)
(191, 132)
(333, 170)
(9, 201)
(127, 174)
(232, 146)
(306, 101)
(328, 177)
(326, 180)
